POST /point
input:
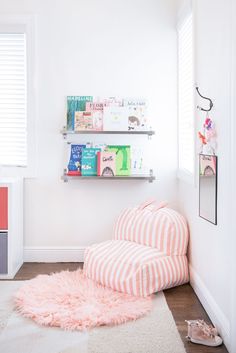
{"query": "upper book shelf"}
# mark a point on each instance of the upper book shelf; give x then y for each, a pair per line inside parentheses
(66, 132)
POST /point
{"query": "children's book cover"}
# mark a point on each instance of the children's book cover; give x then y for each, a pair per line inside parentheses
(91, 106)
(123, 162)
(137, 114)
(139, 160)
(106, 163)
(89, 161)
(113, 102)
(74, 104)
(96, 109)
(74, 165)
(115, 118)
(83, 121)
(101, 145)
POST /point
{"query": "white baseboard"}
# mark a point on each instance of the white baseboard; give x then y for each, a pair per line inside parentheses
(216, 315)
(54, 254)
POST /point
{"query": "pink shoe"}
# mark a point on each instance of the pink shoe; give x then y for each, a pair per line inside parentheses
(201, 333)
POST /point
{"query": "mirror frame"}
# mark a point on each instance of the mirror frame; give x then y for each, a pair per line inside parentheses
(216, 182)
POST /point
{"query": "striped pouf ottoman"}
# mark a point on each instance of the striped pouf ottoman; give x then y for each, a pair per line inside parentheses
(147, 252)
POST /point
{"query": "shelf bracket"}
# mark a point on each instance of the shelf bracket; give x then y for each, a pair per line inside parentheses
(151, 177)
(64, 132)
(64, 177)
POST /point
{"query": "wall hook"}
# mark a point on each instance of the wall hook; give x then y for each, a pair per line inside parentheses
(210, 101)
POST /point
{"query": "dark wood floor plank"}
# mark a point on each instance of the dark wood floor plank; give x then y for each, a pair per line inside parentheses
(181, 300)
(31, 269)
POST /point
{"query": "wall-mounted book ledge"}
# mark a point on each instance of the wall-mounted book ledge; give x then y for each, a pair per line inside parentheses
(65, 132)
(150, 177)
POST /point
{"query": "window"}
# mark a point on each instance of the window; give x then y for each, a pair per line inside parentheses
(17, 96)
(13, 99)
(185, 95)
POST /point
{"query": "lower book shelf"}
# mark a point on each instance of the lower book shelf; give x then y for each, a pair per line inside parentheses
(149, 177)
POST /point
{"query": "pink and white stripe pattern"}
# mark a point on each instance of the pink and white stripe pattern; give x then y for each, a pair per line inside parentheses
(147, 253)
(164, 229)
(133, 268)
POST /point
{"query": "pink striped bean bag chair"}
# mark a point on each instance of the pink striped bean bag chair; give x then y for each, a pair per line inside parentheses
(147, 252)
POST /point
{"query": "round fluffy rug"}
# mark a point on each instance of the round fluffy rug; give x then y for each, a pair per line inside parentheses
(71, 301)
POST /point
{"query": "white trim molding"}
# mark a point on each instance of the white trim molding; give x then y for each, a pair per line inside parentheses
(54, 254)
(215, 313)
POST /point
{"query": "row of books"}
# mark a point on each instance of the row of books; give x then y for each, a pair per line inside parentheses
(110, 160)
(109, 114)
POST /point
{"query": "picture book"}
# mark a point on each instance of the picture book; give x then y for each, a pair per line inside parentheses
(139, 160)
(101, 145)
(137, 114)
(74, 104)
(106, 163)
(91, 106)
(83, 121)
(97, 120)
(115, 118)
(123, 165)
(89, 161)
(113, 102)
(96, 109)
(74, 165)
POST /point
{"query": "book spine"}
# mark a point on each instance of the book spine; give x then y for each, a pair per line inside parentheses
(99, 163)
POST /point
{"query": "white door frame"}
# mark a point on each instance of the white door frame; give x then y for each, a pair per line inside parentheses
(232, 169)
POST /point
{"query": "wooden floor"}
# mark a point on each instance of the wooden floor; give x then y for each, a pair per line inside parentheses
(181, 300)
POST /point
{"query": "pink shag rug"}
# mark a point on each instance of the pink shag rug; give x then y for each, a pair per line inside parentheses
(71, 301)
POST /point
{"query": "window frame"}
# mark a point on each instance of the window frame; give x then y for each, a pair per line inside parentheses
(24, 24)
(183, 174)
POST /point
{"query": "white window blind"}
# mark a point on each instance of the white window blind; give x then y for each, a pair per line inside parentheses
(13, 99)
(185, 95)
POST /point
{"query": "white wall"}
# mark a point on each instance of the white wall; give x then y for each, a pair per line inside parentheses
(210, 245)
(101, 48)
(233, 184)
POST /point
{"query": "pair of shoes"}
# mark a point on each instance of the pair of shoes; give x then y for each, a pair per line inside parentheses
(201, 333)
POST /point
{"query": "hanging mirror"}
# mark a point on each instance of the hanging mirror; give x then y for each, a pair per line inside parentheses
(208, 187)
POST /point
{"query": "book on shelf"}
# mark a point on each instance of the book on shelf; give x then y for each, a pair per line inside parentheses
(113, 102)
(106, 163)
(74, 165)
(137, 114)
(115, 118)
(123, 162)
(83, 121)
(101, 145)
(89, 161)
(96, 109)
(75, 104)
(139, 161)
(91, 106)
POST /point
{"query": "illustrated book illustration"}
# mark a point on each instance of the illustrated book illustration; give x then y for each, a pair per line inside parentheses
(123, 162)
(106, 163)
(139, 160)
(74, 165)
(89, 161)
(96, 109)
(83, 121)
(115, 118)
(137, 114)
(75, 104)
